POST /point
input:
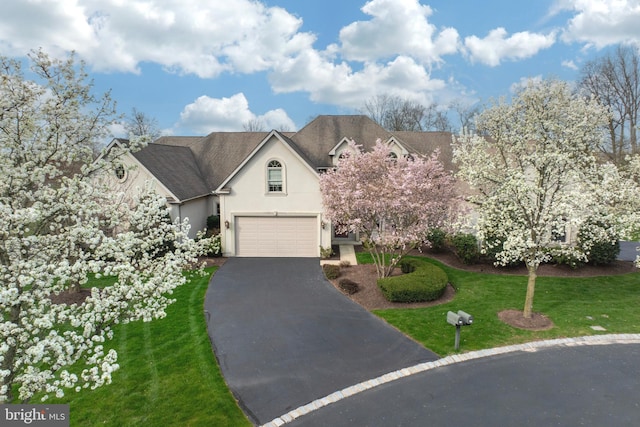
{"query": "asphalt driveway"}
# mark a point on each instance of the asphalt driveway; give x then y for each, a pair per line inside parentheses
(284, 336)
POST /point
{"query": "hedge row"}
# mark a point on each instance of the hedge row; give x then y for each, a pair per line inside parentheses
(426, 283)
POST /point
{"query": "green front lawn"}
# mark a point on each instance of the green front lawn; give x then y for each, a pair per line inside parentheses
(168, 374)
(610, 302)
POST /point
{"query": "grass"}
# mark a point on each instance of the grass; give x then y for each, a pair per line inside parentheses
(168, 374)
(573, 304)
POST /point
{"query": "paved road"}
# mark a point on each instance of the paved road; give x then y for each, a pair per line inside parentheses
(561, 386)
(284, 336)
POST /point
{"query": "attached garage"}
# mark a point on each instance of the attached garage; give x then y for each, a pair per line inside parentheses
(276, 236)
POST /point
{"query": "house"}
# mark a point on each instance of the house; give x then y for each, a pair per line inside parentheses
(263, 185)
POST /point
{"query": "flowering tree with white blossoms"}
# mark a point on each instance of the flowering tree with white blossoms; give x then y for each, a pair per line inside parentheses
(535, 173)
(57, 223)
(392, 203)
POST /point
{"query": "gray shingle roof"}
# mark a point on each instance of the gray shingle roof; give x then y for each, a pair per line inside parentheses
(175, 168)
(215, 156)
(319, 136)
(219, 153)
(426, 143)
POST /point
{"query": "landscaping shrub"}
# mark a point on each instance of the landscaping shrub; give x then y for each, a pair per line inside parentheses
(214, 249)
(326, 252)
(331, 271)
(427, 283)
(564, 258)
(407, 266)
(466, 247)
(213, 222)
(438, 239)
(349, 286)
(603, 253)
(597, 239)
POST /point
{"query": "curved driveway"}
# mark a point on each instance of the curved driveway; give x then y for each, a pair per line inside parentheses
(284, 336)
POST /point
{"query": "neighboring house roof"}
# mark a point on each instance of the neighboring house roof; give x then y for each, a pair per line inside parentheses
(321, 135)
(175, 167)
(189, 165)
(426, 143)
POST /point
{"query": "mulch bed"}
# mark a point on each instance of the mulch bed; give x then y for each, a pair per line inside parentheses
(68, 297)
(370, 297)
(537, 322)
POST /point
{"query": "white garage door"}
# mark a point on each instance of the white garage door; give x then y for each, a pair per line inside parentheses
(276, 236)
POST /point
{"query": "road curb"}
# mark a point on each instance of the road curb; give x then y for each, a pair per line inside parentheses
(446, 361)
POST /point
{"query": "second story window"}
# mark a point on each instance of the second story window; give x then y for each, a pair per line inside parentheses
(274, 176)
(120, 173)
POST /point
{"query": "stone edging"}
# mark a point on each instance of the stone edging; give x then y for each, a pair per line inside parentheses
(449, 360)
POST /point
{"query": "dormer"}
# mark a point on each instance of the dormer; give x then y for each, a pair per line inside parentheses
(340, 150)
(397, 148)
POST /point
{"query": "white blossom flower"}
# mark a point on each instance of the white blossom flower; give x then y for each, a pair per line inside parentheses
(59, 217)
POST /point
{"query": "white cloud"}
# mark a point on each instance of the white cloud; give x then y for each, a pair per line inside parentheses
(497, 46)
(186, 36)
(570, 64)
(600, 23)
(206, 115)
(397, 27)
(339, 84)
(392, 50)
(56, 25)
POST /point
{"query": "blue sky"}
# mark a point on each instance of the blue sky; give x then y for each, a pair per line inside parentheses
(199, 66)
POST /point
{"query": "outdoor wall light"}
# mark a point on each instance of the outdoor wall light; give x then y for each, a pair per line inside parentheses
(226, 224)
(323, 224)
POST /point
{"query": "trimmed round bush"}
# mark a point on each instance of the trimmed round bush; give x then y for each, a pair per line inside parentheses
(427, 283)
(331, 271)
(348, 286)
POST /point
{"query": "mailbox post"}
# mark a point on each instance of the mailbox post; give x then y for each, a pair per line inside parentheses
(459, 319)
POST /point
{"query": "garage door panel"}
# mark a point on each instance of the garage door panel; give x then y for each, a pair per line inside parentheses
(276, 236)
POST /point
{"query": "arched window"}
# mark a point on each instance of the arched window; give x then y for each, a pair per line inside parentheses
(274, 177)
(120, 172)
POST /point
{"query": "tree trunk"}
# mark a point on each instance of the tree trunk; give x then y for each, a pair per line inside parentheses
(531, 286)
(75, 287)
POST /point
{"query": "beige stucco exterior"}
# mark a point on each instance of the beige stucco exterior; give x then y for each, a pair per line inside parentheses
(246, 193)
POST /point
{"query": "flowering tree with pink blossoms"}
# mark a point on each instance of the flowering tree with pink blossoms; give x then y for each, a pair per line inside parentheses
(392, 203)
